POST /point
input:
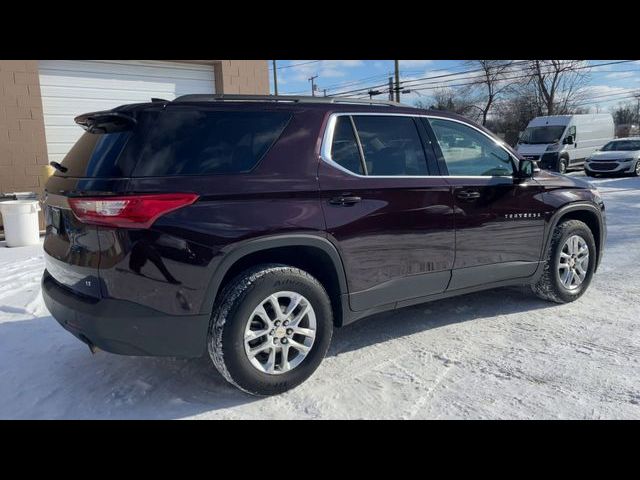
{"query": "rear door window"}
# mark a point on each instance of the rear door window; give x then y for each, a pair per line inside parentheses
(344, 148)
(206, 142)
(391, 145)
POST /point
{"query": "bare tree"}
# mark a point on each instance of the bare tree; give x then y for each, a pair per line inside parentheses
(513, 114)
(626, 118)
(626, 113)
(450, 100)
(494, 80)
(558, 84)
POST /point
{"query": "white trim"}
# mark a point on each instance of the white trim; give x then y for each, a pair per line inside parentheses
(327, 140)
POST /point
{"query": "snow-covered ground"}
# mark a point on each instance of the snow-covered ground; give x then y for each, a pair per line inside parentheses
(496, 354)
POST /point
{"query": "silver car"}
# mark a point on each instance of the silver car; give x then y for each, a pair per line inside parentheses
(618, 156)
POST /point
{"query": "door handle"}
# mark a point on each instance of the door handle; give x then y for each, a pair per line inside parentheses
(468, 194)
(345, 200)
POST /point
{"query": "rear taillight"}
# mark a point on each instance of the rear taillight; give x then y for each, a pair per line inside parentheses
(134, 211)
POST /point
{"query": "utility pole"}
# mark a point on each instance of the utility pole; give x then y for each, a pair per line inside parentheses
(275, 78)
(325, 92)
(391, 88)
(397, 89)
(313, 85)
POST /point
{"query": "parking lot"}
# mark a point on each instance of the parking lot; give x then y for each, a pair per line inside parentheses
(496, 354)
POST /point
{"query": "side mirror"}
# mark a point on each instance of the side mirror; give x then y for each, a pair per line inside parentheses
(526, 168)
(568, 140)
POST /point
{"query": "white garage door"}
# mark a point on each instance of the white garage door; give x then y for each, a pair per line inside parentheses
(72, 87)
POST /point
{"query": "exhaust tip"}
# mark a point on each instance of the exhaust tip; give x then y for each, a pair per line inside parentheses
(91, 346)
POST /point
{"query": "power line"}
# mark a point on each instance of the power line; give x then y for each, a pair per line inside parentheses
(440, 82)
(382, 75)
(368, 78)
(629, 94)
(587, 101)
(291, 65)
(429, 78)
(479, 82)
(598, 98)
(347, 83)
(409, 84)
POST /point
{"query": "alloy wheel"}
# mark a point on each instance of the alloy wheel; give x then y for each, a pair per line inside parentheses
(280, 332)
(574, 262)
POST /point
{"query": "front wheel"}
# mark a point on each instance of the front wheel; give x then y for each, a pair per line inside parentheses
(271, 329)
(569, 263)
(562, 165)
(636, 170)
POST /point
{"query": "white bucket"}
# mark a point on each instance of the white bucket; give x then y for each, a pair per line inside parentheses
(20, 220)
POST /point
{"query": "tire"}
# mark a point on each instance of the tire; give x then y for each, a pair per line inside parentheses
(636, 170)
(550, 286)
(239, 302)
(563, 164)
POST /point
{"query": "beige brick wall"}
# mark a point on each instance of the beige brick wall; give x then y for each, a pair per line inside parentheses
(242, 76)
(23, 148)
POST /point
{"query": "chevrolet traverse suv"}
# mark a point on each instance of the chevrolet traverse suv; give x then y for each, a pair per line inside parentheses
(248, 228)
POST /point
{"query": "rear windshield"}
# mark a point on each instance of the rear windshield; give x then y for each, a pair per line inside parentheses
(178, 142)
(192, 142)
(97, 155)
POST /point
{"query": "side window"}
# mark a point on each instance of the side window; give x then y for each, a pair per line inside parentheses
(184, 141)
(468, 152)
(572, 132)
(391, 145)
(344, 148)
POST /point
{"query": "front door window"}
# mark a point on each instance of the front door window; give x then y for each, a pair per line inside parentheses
(467, 152)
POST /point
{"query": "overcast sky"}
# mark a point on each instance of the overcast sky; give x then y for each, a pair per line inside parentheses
(608, 84)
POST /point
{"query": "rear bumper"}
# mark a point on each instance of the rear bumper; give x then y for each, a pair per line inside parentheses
(123, 327)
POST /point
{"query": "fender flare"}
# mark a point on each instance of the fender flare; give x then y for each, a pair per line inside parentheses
(572, 207)
(230, 255)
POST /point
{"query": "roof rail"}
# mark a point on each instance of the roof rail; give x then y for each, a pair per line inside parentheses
(282, 98)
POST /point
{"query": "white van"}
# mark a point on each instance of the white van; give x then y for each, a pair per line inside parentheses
(560, 142)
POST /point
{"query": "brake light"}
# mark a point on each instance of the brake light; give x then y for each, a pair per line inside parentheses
(134, 211)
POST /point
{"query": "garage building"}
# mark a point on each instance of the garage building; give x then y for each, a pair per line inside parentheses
(40, 98)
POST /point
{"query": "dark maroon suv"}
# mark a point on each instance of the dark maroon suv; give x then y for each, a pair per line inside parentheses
(251, 227)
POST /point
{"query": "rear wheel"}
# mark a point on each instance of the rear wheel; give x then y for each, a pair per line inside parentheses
(569, 264)
(636, 170)
(271, 329)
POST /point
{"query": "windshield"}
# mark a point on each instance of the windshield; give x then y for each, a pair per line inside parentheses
(622, 146)
(548, 134)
